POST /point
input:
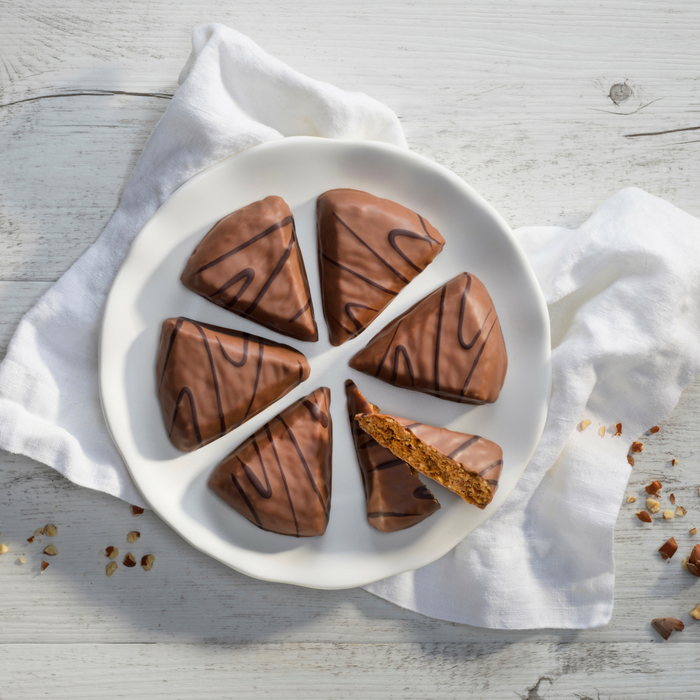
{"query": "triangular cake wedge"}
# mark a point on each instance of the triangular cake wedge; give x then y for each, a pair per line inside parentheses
(250, 263)
(280, 477)
(369, 250)
(467, 465)
(396, 498)
(211, 379)
(449, 345)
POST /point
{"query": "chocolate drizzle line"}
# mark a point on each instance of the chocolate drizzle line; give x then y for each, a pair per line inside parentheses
(463, 446)
(257, 379)
(171, 341)
(284, 478)
(244, 359)
(359, 276)
(312, 481)
(476, 360)
(222, 421)
(401, 349)
(186, 391)
(280, 224)
(266, 491)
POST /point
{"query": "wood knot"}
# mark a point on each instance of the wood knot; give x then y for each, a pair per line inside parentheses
(620, 92)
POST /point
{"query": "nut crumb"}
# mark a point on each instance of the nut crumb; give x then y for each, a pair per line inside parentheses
(618, 429)
(133, 536)
(22, 560)
(655, 429)
(653, 506)
(4, 549)
(147, 562)
(654, 488)
(44, 566)
(585, 424)
(111, 568)
(672, 498)
(601, 431)
(30, 539)
(129, 560)
(693, 563)
(680, 511)
(674, 461)
(631, 499)
(665, 625)
(111, 552)
(630, 459)
(637, 447)
(51, 551)
(684, 563)
(644, 516)
(668, 548)
(136, 510)
(669, 515)
(38, 532)
(694, 531)
(50, 530)
(695, 613)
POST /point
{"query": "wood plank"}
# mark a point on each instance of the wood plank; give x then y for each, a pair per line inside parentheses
(345, 671)
(512, 100)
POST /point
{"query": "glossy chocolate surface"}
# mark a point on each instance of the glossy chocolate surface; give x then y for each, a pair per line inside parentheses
(280, 477)
(396, 498)
(250, 263)
(474, 453)
(449, 345)
(211, 379)
(369, 250)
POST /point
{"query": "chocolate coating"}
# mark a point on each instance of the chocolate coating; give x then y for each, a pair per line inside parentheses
(211, 379)
(369, 250)
(250, 263)
(473, 452)
(280, 477)
(448, 345)
(396, 498)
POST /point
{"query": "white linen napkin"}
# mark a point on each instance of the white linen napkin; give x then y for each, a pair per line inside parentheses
(624, 298)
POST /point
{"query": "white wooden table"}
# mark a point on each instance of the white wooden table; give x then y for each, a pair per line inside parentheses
(546, 108)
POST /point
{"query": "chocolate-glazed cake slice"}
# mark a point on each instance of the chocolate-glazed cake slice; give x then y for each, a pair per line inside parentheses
(468, 465)
(396, 498)
(369, 250)
(449, 345)
(211, 379)
(250, 263)
(280, 477)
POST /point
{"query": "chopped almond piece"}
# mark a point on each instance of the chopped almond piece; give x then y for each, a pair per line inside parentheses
(674, 462)
(694, 531)
(601, 431)
(111, 568)
(50, 530)
(618, 429)
(669, 515)
(655, 429)
(693, 563)
(695, 613)
(585, 424)
(637, 447)
(133, 536)
(4, 549)
(51, 551)
(653, 505)
(111, 552)
(136, 510)
(668, 548)
(630, 459)
(654, 488)
(665, 625)
(22, 560)
(44, 566)
(680, 511)
(631, 499)
(30, 539)
(147, 562)
(129, 560)
(644, 516)
(672, 498)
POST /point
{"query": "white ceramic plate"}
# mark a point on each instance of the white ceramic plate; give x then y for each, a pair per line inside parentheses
(147, 290)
